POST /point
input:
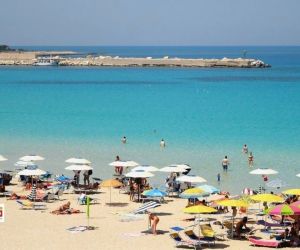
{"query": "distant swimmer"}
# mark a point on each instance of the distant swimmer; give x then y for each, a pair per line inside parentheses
(218, 177)
(245, 149)
(124, 140)
(162, 143)
(225, 163)
(250, 159)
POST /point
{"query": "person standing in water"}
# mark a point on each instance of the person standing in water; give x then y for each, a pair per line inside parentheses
(245, 149)
(162, 143)
(225, 163)
(250, 159)
(124, 140)
(219, 178)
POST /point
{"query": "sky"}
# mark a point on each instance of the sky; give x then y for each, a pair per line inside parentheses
(150, 22)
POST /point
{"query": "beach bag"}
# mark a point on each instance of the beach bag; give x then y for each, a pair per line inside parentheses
(90, 172)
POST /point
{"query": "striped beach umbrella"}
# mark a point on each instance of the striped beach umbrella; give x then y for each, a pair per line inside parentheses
(32, 195)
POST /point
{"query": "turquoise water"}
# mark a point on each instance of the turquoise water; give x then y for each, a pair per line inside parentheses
(203, 114)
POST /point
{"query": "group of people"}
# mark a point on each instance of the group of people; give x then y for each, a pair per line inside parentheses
(162, 142)
(86, 177)
(225, 162)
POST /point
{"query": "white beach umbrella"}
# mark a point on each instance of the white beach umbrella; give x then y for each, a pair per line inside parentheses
(32, 158)
(32, 172)
(78, 161)
(185, 166)
(263, 171)
(139, 174)
(24, 163)
(173, 169)
(298, 175)
(191, 179)
(146, 168)
(2, 158)
(124, 164)
(82, 167)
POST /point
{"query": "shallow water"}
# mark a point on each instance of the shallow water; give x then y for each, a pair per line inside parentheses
(203, 114)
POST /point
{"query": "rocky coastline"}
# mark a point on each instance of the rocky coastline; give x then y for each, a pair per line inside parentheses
(65, 59)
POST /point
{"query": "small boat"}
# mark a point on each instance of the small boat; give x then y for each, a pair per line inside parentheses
(46, 62)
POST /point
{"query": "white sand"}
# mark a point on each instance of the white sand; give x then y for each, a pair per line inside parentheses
(35, 229)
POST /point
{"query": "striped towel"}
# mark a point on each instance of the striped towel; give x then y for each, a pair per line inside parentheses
(146, 206)
(32, 195)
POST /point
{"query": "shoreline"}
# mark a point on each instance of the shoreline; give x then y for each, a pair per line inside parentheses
(62, 58)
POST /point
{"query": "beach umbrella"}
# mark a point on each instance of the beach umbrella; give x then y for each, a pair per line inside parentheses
(209, 189)
(124, 164)
(277, 183)
(32, 195)
(82, 167)
(263, 171)
(233, 203)
(154, 193)
(2, 158)
(146, 168)
(173, 169)
(296, 204)
(192, 193)
(32, 158)
(109, 184)
(78, 161)
(24, 163)
(298, 175)
(191, 179)
(292, 191)
(199, 209)
(32, 172)
(63, 178)
(139, 174)
(283, 209)
(266, 198)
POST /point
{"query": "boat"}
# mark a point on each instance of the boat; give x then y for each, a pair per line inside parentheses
(45, 62)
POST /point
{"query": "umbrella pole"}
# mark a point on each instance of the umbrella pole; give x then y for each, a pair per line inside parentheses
(110, 195)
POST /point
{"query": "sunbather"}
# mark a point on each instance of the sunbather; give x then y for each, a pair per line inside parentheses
(239, 227)
(65, 209)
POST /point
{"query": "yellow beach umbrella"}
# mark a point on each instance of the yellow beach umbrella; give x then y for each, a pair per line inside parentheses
(110, 183)
(199, 209)
(233, 203)
(266, 198)
(292, 191)
(193, 191)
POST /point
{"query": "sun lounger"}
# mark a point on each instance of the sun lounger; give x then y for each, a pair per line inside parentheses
(264, 243)
(184, 243)
(202, 240)
(268, 224)
(31, 205)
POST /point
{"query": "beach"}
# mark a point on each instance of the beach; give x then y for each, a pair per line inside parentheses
(48, 231)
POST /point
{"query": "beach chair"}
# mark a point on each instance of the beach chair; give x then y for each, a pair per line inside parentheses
(82, 199)
(264, 243)
(184, 243)
(31, 205)
(202, 240)
(208, 233)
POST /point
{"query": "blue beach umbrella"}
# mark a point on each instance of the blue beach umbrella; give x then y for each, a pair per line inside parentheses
(209, 189)
(154, 193)
(63, 178)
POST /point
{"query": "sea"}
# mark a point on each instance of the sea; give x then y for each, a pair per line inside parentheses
(202, 114)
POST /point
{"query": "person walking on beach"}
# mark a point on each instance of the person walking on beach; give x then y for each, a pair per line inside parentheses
(162, 143)
(153, 221)
(250, 159)
(225, 163)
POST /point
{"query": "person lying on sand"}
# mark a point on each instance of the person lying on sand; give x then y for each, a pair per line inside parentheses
(65, 209)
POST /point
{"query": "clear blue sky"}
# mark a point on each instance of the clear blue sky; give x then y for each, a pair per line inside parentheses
(150, 22)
